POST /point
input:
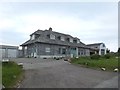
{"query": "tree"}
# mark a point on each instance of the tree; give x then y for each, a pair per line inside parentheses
(107, 50)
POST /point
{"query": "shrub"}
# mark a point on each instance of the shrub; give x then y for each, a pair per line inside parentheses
(107, 56)
(95, 56)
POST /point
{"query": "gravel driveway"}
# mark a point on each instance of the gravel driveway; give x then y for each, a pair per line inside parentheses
(49, 73)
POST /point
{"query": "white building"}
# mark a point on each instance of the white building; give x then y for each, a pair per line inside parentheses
(100, 47)
(8, 51)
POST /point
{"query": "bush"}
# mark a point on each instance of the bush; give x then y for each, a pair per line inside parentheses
(107, 56)
(95, 56)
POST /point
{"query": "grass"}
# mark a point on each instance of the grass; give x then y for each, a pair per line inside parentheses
(109, 64)
(11, 73)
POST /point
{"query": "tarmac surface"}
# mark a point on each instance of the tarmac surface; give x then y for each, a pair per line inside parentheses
(50, 73)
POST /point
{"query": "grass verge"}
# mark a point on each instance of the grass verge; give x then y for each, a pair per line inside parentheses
(11, 74)
(109, 64)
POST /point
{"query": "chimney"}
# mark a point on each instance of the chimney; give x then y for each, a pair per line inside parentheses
(50, 29)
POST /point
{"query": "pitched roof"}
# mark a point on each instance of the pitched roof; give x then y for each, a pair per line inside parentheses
(43, 39)
(94, 44)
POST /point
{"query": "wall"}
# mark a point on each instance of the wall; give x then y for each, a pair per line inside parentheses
(101, 47)
(39, 50)
(8, 53)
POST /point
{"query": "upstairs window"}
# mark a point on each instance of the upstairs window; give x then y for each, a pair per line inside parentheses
(33, 37)
(103, 45)
(59, 37)
(68, 39)
(62, 39)
(48, 36)
(71, 40)
(74, 41)
(36, 36)
(52, 36)
(78, 41)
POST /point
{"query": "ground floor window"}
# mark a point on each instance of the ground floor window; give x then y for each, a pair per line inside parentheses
(47, 49)
(59, 51)
(63, 51)
(102, 51)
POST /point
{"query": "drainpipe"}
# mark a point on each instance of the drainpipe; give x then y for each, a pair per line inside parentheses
(76, 51)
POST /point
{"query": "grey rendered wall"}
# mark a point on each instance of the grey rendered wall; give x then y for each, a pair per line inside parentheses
(54, 49)
(83, 52)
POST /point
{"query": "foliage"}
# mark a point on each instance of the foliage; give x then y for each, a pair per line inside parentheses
(107, 56)
(95, 56)
(107, 51)
(110, 64)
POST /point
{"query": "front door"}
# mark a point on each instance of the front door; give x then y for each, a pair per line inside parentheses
(73, 52)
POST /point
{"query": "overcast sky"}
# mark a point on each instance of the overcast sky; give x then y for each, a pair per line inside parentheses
(92, 22)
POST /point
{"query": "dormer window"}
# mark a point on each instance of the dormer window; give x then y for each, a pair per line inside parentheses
(103, 45)
(68, 39)
(52, 36)
(48, 36)
(59, 37)
(75, 41)
(32, 37)
(37, 35)
(71, 40)
(78, 41)
(62, 39)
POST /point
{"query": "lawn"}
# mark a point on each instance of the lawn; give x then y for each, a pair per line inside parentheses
(110, 64)
(11, 73)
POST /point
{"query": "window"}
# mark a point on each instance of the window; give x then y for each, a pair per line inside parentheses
(78, 41)
(71, 40)
(81, 52)
(62, 39)
(59, 37)
(32, 37)
(74, 41)
(63, 51)
(102, 51)
(68, 39)
(103, 45)
(52, 36)
(36, 36)
(25, 47)
(59, 51)
(47, 49)
(48, 36)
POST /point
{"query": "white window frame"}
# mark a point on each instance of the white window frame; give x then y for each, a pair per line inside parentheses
(71, 40)
(62, 39)
(52, 36)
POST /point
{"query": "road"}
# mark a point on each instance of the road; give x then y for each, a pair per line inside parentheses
(49, 73)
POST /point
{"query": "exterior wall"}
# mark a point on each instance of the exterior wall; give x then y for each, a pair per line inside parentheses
(39, 50)
(83, 52)
(101, 47)
(8, 52)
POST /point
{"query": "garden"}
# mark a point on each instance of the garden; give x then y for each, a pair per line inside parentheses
(108, 62)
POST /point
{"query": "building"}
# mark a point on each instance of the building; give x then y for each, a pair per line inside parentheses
(8, 51)
(100, 48)
(49, 44)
